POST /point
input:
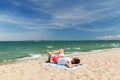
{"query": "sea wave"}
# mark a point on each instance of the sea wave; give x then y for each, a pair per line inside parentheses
(77, 48)
(68, 48)
(49, 46)
(31, 56)
(103, 45)
(115, 44)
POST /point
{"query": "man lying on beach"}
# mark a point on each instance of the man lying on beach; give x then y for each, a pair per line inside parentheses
(61, 59)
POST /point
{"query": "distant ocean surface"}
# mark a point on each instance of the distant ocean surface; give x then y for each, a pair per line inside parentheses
(12, 50)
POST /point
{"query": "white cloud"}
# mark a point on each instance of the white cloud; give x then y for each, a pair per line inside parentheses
(34, 30)
(45, 3)
(79, 15)
(32, 24)
(109, 37)
(16, 3)
(15, 36)
(66, 17)
(104, 29)
(62, 17)
(73, 15)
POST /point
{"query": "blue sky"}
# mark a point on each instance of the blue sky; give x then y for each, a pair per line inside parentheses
(59, 20)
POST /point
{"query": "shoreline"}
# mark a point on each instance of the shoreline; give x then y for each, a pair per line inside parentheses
(42, 57)
(101, 65)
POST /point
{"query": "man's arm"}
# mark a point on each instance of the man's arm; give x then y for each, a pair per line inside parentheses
(68, 64)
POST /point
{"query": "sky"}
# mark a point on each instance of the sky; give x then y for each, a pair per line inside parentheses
(59, 20)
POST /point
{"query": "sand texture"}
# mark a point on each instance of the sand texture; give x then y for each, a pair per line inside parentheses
(101, 65)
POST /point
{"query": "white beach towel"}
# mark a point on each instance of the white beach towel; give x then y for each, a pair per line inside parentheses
(64, 67)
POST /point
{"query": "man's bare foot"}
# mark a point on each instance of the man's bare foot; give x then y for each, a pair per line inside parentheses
(48, 52)
(47, 61)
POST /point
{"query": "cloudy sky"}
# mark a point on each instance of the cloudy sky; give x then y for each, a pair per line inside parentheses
(59, 19)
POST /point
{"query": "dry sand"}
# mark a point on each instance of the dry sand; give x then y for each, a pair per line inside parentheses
(101, 65)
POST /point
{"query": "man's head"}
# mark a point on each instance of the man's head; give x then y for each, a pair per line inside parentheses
(75, 60)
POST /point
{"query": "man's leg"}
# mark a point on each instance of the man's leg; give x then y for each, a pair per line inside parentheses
(60, 51)
(50, 54)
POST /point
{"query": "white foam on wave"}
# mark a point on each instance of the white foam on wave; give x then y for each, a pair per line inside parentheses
(115, 44)
(32, 56)
(103, 45)
(78, 48)
(49, 46)
(35, 55)
(75, 52)
(97, 50)
(68, 48)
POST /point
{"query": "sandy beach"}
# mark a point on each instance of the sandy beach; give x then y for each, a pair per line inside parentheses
(101, 65)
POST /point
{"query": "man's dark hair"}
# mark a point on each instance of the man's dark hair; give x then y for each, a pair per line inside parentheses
(77, 61)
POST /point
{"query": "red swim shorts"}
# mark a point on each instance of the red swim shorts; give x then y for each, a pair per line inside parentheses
(55, 59)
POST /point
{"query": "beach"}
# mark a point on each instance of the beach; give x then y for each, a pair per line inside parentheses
(100, 65)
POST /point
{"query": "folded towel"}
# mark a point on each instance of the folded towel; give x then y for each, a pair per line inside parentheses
(63, 66)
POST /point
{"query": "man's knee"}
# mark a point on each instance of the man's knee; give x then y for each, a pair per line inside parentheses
(61, 51)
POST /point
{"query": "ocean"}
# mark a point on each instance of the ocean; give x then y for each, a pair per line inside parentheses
(12, 50)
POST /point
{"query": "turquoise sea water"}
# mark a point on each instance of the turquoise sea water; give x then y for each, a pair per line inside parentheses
(12, 50)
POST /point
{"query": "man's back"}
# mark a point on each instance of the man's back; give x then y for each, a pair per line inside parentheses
(64, 60)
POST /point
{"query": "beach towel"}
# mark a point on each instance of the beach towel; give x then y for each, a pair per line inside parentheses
(64, 67)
